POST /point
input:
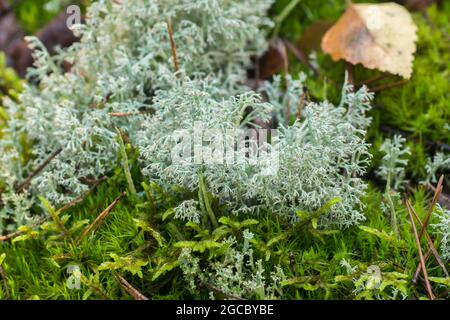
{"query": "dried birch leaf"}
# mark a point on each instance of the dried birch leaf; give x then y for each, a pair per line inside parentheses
(379, 36)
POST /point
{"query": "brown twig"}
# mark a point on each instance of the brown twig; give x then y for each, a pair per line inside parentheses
(22, 186)
(83, 196)
(389, 86)
(18, 233)
(172, 45)
(129, 288)
(100, 218)
(419, 250)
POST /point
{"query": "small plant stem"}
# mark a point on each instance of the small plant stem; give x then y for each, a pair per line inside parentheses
(301, 105)
(150, 198)
(419, 250)
(100, 218)
(127, 114)
(392, 207)
(22, 186)
(55, 217)
(204, 195)
(172, 45)
(350, 70)
(125, 165)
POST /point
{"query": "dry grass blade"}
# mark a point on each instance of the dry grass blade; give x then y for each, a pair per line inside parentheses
(415, 279)
(444, 200)
(419, 250)
(130, 289)
(100, 218)
(172, 45)
(433, 204)
(430, 243)
(22, 186)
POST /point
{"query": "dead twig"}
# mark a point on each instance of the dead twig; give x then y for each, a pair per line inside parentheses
(172, 45)
(129, 288)
(415, 279)
(419, 250)
(83, 196)
(22, 186)
(18, 233)
(443, 200)
(100, 218)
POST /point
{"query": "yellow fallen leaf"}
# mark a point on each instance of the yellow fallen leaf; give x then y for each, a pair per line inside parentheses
(379, 36)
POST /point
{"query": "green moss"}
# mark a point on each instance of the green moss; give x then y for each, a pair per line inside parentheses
(143, 246)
